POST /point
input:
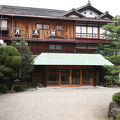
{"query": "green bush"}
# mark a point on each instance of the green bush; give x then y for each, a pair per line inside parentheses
(21, 87)
(117, 82)
(13, 61)
(11, 51)
(3, 88)
(116, 98)
(118, 117)
(1, 50)
(108, 83)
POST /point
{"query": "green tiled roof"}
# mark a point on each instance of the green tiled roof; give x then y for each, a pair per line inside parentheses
(70, 59)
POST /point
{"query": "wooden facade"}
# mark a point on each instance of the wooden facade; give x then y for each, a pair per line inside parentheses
(65, 76)
(66, 36)
(55, 31)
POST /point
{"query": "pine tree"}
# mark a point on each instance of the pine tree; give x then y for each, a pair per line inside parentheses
(111, 50)
(26, 55)
(10, 62)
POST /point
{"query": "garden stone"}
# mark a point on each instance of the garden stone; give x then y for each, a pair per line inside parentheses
(114, 112)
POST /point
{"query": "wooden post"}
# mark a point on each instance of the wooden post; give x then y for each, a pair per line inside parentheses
(94, 79)
(59, 77)
(98, 32)
(70, 77)
(86, 31)
(45, 76)
(80, 76)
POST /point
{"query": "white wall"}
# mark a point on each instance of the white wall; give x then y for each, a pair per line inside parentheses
(94, 14)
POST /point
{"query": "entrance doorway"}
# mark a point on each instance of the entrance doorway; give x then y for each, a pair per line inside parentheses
(64, 76)
(70, 77)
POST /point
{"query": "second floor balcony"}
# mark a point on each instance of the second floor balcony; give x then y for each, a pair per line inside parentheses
(89, 36)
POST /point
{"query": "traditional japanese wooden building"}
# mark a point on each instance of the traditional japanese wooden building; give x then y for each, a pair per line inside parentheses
(74, 32)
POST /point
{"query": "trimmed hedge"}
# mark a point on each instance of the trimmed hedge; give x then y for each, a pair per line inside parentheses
(116, 98)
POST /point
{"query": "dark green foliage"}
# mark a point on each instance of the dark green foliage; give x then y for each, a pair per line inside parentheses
(21, 87)
(108, 83)
(118, 117)
(26, 55)
(117, 82)
(10, 62)
(14, 61)
(3, 88)
(116, 98)
(111, 50)
(1, 50)
(11, 51)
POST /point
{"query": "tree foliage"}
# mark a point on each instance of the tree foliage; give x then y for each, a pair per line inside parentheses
(111, 50)
(24, 52)
(10, 62)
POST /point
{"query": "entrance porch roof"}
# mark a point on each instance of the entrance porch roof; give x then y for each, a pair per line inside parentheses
(71, 59)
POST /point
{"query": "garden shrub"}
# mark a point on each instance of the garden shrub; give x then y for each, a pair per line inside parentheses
(108, 83)
(117, 82)
(118, 117)
(11, 51)
(3, 88)
(116, 98)
(21, 87)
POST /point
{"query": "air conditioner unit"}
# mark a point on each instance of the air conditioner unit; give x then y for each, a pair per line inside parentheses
(35, 32)
(53, 33)
(17, 31)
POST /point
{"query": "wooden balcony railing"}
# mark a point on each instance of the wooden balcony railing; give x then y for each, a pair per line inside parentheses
(89, 36)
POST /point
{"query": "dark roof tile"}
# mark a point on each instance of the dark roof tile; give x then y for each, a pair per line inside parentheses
(31, 11)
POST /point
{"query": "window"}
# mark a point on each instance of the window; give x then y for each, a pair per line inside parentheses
(91, 31)
(53, 76)
(55, 47)
(81, 31)
(46, 27)
(52, 47)
(65, 76)
(87, 76)
(3, 24)
(92, 46)
(84, 12)
(90, 13)
(58, 47)
(58, 27)
(78, 29)
(101, 33)
(75, 76)
(95, 30)
(39, 26)
(82, 45)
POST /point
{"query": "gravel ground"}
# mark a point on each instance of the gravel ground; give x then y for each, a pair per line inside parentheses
(57, 104)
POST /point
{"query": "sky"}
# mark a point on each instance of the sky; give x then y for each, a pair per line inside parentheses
(112, 6)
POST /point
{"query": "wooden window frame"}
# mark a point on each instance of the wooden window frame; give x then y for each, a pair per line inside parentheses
(59, 27)
(55, 46)
(70, 75)
(48, 27)
(39, 26)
